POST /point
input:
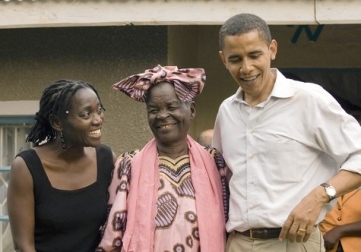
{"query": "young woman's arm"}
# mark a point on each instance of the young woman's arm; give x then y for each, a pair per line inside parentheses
(21, 206)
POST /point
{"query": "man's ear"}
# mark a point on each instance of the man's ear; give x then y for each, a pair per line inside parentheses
(221, 55)
(55, 122)
(273, 49)
(193, 110)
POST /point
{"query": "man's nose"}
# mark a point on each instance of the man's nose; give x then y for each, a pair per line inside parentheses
(246, 66)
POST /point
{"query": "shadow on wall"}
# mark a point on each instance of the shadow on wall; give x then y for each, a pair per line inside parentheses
(342, 84)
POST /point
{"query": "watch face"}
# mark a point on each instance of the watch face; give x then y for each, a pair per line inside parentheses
(331, 191)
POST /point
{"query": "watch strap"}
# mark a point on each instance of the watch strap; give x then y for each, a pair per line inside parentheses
(327, 186)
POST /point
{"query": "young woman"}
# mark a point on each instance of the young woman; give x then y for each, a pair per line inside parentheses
(57, 195)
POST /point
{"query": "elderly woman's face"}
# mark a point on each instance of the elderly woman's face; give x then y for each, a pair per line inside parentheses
(168, 117)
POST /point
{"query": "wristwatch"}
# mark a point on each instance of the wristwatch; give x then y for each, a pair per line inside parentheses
(330, 191)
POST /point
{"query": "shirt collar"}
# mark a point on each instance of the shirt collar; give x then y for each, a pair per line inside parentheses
(281, 88)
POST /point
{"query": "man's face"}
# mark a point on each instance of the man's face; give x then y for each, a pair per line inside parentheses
(248, 59)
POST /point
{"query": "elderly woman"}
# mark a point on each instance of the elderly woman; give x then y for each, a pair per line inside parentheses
(172, 194)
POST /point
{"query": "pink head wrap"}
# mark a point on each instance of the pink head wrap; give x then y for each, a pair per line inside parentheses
(188, 82)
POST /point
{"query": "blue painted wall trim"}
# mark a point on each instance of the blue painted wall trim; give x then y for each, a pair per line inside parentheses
(17, 119)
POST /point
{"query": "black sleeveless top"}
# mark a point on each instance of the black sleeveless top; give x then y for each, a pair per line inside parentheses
(69, 221)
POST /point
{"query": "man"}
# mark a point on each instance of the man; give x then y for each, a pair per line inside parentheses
(290, 146)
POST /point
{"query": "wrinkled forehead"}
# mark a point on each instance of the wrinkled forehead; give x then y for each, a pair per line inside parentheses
(163, 90)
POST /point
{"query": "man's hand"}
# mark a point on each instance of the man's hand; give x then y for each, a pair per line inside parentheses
(301, 221)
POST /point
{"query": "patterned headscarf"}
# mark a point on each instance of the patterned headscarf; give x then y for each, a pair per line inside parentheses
(188, 82)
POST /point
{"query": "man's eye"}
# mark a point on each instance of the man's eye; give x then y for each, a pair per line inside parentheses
(234, 60)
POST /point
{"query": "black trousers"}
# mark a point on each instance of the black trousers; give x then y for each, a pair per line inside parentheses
(339, 247)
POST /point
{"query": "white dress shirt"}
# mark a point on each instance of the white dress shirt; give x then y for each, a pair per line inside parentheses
(281, 149)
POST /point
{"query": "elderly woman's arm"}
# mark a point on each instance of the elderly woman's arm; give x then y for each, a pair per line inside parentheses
(114, 228)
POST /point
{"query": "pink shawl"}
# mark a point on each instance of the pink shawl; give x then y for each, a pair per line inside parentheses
(141, 202)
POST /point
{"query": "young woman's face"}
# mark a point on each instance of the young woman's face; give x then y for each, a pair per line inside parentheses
(168, 117)
(83, 123)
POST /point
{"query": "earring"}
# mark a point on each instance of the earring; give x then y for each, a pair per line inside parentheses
(63, 141)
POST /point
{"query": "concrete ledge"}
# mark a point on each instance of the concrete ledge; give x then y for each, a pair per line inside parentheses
(55, 13)
(338, 11)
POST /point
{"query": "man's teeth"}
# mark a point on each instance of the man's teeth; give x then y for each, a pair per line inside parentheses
(249, 79)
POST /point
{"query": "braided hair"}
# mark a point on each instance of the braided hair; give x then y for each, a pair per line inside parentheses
(54, 101)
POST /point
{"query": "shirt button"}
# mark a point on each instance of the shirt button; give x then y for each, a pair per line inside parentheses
(251, 156)
(339, 218)
(251, 181)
